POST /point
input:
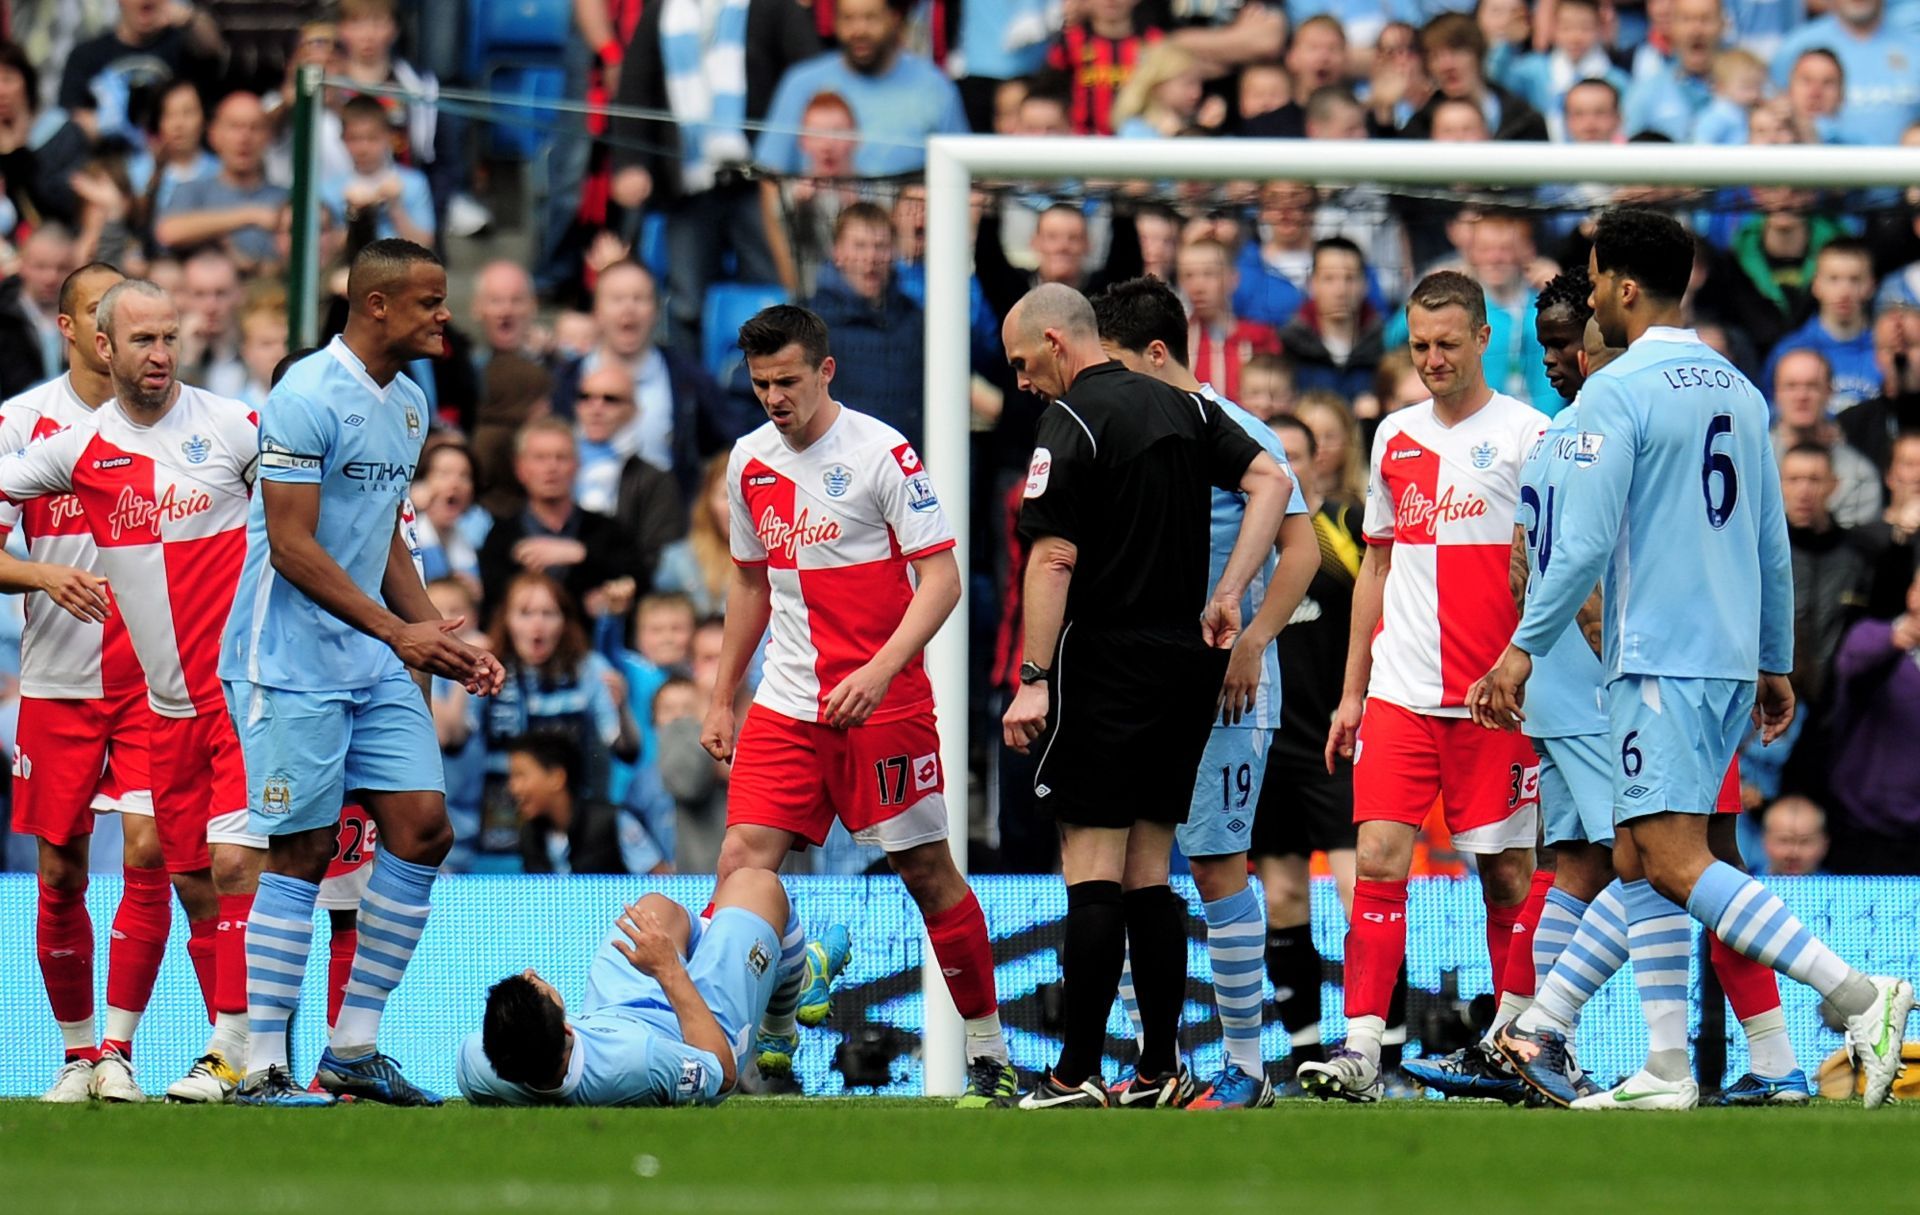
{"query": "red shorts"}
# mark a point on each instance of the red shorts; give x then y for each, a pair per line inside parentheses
(199, 789)
(68, 753)
(884, 780)
(352, 864)
(1729, 800)
(1484, 778)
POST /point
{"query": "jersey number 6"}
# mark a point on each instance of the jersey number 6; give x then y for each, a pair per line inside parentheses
(1720, 508)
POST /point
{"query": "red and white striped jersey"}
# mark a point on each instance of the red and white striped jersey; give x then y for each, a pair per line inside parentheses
(167, 505)
(835, 525)
(61, 657)
(1445, 498)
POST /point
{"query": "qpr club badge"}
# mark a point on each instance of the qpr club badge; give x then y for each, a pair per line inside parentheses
(196, 450)
(838, 479)
(1483, 455)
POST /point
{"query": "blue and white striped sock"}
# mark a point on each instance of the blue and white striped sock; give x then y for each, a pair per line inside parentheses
(1598, 949)
(1236, 946)
(1660, 940)
(393, 914)
(1559, 920)
(790, 977)
(279, 937)
(1129, 1002)
(1753, 921)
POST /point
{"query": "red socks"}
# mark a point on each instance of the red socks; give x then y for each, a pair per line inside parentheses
(230, 954)
(340, 948)
(63, 939)
(1501, 924)
(959, 936)
(139, 941)
(1751, 988)
(1517, 978)
(200, 950)
(1376, 946)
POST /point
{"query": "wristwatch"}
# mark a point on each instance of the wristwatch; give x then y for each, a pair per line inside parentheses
(1031, 672)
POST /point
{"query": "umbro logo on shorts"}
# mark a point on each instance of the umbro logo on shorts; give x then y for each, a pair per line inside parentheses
(1041, 790)
(1635, 791)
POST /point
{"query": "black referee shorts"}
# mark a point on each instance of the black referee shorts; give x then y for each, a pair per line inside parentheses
(1303, 810)
(1131, 709)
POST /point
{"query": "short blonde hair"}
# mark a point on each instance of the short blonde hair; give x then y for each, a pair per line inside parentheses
(1730, 64)
(1162, 63)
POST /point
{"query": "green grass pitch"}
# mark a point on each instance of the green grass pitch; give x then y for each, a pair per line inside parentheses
(820, 1157)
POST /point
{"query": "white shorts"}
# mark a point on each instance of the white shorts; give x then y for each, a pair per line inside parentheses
(342, 892)
(134, 801)
(1521, 829)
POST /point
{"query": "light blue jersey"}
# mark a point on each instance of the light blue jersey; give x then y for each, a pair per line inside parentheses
(1564, 697)
(1228, 510)
(1675, 497)
(1882, 75)
(327, 424)
(627, 1044)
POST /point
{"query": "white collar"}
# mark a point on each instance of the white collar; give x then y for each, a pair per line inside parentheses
(1668, 333)
(339, 349)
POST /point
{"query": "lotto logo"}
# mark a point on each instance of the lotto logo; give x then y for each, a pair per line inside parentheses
(22, 766)
(907, 459)
(926, 773)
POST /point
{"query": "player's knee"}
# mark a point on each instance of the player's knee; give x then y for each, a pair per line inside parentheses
(929, 874)
(757, 890)
(1380, 860)
(62, 867)
(142, 851)
(424, 843)
(1218, 877)
(1504, 877)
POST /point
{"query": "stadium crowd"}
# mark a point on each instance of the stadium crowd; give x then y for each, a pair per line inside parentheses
(571, 498)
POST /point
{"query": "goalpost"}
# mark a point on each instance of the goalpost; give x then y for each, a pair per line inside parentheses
(955, 161)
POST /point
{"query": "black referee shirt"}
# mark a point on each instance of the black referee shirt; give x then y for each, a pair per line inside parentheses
(1123, 468)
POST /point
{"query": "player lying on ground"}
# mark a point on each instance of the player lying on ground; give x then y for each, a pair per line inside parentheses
(668, 1017)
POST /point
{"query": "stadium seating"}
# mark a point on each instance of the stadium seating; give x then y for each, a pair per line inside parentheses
(726, 308)
(507, 32)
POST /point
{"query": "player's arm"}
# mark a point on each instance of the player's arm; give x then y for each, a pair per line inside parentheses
(1519, 569)
(1299, 560)
(1592, 620)
(1593, 501)
(80, 593)
(1267, 490)
(1369, 604)
(292, 511)
(749, 608)
(936, 593)
(186, 228)
(652, 952)
(42, 468)
(1773, 705)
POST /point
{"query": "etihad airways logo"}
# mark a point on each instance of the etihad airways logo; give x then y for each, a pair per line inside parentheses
(1420, 513)
(779, 536)
(137, 512)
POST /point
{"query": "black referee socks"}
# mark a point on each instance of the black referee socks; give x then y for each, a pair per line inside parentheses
(1157, 940)
(1090, 967)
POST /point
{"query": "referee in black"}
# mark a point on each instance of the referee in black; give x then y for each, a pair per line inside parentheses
(1126, 656)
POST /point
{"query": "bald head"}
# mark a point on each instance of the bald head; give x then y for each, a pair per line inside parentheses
(503, 304)
(1050, 337)
(1055, 306)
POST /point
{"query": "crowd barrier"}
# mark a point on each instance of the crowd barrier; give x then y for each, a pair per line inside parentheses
(487, 927)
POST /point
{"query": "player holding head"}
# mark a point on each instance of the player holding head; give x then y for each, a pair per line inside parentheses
(83, 738)
(668, 1011)
(161, 476)
(1678, 504)
(1431, 599)
(329, 616)
(832, 510)
(1144, 326)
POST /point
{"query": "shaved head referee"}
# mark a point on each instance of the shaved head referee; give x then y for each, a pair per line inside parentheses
(1126, 651)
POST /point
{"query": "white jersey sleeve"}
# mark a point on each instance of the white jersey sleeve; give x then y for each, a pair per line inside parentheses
(743, 538)
(44, 466)
(1377, 522)
(903, 490)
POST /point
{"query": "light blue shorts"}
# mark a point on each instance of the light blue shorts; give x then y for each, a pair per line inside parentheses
(1672, 741)
(1220, 816)
(1576, 789)
(306, 750)
(732, 966)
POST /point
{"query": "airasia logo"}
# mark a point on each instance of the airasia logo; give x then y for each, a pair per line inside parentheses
(1420, 513)
(789, 538)
(63, 509)
(137, 512)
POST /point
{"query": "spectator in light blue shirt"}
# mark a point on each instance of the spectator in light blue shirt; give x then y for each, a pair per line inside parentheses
(1842, 329)
(898, 98)
(1761, 25)
(1739, 82)
(1543, 79)
(394, 200)
(1669, 100)
(1880, 61)
(237, 206)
